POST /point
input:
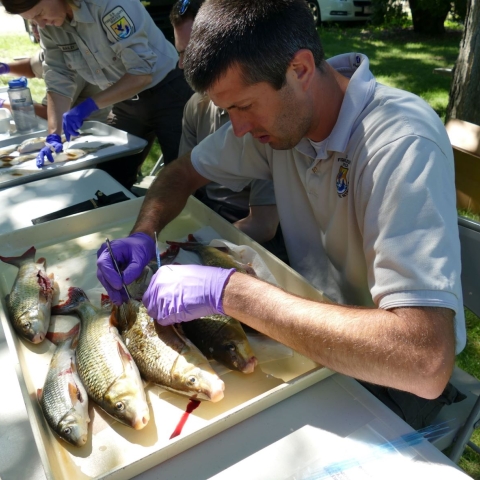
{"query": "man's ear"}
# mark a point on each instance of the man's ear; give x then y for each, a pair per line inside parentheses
(302, 67)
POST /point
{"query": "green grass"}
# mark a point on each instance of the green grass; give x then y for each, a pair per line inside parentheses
(398, 58)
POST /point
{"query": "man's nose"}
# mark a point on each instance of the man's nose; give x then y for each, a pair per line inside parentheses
(241, 125)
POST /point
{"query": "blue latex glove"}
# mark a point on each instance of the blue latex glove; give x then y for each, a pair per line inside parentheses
(74, 118)
(132, 255)
(4, 68)
(180, 293)
(54, 142)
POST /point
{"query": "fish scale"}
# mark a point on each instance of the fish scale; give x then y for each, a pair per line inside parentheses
(60, 410)
(30, 299)
(96, 345)
(222, 338)
(104, 364)
(167, 358)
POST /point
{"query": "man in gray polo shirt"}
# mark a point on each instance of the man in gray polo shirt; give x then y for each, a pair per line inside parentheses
(364, 183)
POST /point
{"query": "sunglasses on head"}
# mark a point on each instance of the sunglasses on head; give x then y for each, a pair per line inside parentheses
(182, 8)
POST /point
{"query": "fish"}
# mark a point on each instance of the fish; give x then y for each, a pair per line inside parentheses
(222, 338)
(165, 357)
(34, 144)
(105, 366)
(210, 256)
(31, 296)
(7, 150)
(140, 285)
(68, 155)
(12, 160)
(76, 153)
(63, 398)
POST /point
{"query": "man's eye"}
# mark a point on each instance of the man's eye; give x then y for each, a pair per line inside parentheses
(242, 109)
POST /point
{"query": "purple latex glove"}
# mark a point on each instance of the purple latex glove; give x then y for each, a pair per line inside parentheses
(180, 293)
(54, 144)
(4, 68)
(132, 255)
(74, 118)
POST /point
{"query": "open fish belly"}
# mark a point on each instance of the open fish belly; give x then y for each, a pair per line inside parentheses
(31, 296)
(63, 399)
(167, 358)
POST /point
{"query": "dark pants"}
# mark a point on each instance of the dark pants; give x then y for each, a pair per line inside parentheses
(416, 411)
(157, 112)
(231, 213)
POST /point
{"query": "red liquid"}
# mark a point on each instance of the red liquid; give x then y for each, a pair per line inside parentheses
(192, 405)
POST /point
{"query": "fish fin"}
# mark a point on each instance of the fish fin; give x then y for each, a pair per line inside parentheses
(74, 393)
(39, 394)
(27, 256)
(76, 296)
(105, 301)
(59, 337)
(42, 261)
(125, 356)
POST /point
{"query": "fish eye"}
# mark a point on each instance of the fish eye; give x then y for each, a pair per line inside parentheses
(120, 406)
(192, 380)
(27, 325)
(230, 346)
(67, 431)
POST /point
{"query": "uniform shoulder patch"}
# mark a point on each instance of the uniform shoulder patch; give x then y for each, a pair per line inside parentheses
(119, 23)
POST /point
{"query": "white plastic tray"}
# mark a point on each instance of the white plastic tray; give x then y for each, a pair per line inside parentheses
(113, 450)
(98, 133)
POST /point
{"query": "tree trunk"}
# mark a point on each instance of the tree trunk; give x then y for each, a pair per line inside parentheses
(464, 101)
(429, 16)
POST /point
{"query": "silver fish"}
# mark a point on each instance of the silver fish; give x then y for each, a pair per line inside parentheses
(30, 300)
(8, 150)
(105, 365)
(63, 399)
(34, 144)
(76, 153)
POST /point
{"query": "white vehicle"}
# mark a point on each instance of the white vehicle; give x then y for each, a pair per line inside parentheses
(340, 10)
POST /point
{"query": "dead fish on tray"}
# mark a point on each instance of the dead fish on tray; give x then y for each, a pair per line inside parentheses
(210, 256)
(66, 156)
(222, 338)
(63, 398)
(8, 150)
(30, 300)
(105, 365)
(34, 144)
(165, 357)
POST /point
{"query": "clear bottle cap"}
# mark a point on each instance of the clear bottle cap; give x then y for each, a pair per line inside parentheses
(18, 83)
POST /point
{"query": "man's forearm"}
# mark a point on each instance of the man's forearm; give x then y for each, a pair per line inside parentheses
(411, 349)
(167, 195)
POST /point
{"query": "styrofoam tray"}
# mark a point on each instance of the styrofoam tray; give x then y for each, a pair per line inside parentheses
(114, 450)
(96, 133)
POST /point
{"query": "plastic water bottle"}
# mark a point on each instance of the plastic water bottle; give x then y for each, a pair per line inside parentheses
(21, 104)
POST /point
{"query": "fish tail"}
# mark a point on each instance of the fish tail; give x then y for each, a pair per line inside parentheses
(76, 296)
(59, 337)
(28, 256)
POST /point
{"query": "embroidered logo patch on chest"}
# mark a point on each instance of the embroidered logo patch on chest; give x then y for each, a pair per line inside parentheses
(119, 23)
(342, 177)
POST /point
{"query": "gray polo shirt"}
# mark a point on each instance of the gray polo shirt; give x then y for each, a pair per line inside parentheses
(369, 215)
(201, 118)
(105, 40)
